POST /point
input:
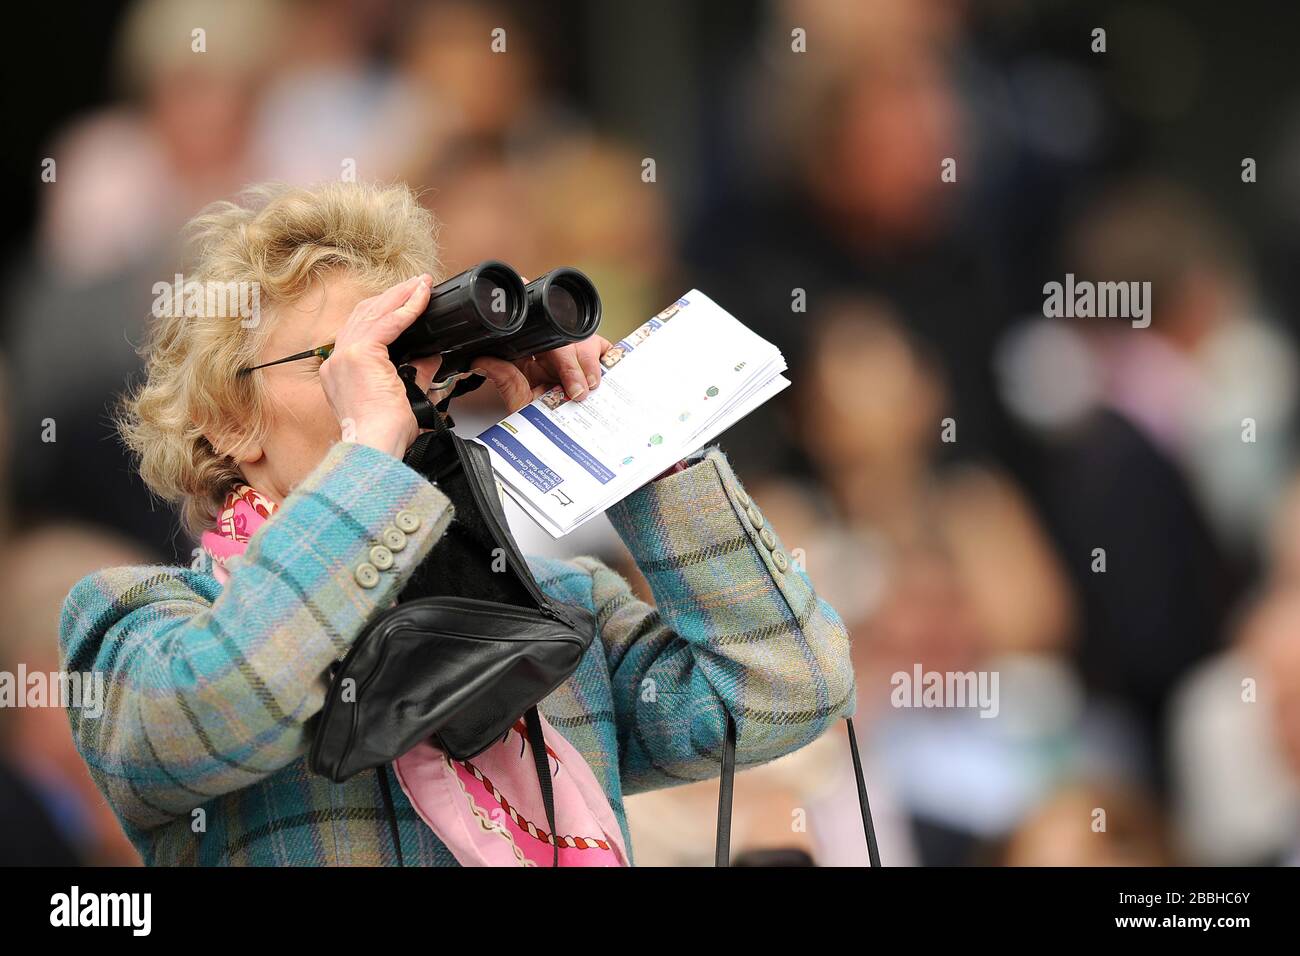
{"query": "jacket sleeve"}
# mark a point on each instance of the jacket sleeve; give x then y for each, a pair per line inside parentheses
(210, 689)
(737, 629)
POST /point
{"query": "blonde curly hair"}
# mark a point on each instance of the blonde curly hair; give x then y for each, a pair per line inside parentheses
(193, 415)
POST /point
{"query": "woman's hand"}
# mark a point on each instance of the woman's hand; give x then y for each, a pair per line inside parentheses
(576, 367)
(361, 381)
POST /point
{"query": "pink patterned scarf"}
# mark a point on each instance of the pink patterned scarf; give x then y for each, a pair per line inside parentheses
(487, 811)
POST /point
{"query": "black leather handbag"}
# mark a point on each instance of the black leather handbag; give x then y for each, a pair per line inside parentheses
(472, 644)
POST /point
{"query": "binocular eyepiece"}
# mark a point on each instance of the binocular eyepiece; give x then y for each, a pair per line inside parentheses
(488, 310)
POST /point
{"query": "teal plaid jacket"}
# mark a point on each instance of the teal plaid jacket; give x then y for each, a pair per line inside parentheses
(211, 692)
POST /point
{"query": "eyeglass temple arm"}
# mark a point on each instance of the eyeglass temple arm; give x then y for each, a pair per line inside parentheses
(426, 413)
(323, 352)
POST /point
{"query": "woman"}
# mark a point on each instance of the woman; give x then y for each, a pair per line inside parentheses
(293, 477)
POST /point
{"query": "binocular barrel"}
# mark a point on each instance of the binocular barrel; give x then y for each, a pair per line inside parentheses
(563, 307)
(481, 304)
(487, 310)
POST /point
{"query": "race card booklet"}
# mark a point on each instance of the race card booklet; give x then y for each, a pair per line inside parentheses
(670, 387)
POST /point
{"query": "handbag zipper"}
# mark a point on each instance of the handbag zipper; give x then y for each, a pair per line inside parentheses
(495, 607)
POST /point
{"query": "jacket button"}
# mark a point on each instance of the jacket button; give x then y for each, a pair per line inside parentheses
(381, 557)
(408, 521)
(742, 498)
(768, 539)
(393, 539)
(755, 517)
(366, 574)
(780, 560)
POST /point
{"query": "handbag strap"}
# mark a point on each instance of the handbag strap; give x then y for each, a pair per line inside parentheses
(726, 788)
(537, 742)
(873, 854)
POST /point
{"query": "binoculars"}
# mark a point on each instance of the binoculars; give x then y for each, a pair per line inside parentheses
(488, 310)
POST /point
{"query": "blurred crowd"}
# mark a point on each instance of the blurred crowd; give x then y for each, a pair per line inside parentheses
(1106, 517)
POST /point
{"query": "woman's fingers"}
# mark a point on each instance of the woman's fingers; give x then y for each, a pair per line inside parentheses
(564, 368)
(511, 384)
(533, 371)
(589, 352)
(382, 318)
(393, 321)
(391, 299)
(576, 367)
(425, 370)
(541, 370)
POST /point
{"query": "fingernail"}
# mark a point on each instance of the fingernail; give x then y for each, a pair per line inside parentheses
(577, 390)
(593, 380)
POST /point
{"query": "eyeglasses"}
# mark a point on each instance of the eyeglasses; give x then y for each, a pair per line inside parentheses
(322, 352)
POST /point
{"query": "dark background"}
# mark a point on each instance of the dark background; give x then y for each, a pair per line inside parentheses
(1121, 689)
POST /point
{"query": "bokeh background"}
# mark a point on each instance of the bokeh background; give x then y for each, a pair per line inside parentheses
(1163, 691)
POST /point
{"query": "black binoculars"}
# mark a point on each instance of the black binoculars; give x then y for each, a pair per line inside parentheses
(488, 310)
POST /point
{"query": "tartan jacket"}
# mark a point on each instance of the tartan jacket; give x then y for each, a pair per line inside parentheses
(211, 692)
